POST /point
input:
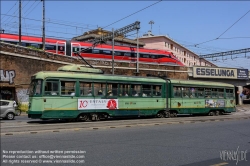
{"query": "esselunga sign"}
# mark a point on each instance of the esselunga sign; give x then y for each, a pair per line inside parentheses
(225, 73)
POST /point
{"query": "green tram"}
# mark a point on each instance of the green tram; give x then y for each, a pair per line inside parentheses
(81, 93)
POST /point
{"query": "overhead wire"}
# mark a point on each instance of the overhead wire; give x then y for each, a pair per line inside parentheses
(133, 13)
(225, 30)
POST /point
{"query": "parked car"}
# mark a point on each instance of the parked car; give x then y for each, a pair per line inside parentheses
(9, 109)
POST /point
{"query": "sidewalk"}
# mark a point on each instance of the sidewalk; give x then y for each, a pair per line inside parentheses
(244, 107)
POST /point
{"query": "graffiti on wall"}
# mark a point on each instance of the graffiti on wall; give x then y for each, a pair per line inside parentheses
(7, 76)
(22, 95)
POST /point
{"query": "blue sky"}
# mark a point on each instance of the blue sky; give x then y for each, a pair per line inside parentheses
(189, 23)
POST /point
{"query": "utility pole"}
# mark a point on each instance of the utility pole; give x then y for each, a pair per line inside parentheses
(43, 29)
(20, 23)
(113, 43)
(137, 52)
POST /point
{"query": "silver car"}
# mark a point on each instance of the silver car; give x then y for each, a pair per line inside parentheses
(8, 109)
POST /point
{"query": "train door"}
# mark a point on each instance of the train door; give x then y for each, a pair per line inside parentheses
(61, 48)
(75, 47)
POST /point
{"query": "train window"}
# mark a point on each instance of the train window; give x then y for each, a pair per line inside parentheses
(68, 88)
(99, 89)
(177, 91)
(60, 48)
(128, 54)
(35, 45)
(117, 53)
(112, 89)
(86, 89)
(51, 87)
(95, 51)
(86, 51)
(124, 90)
(75, 49)
(107, 52)
(153, 56)
(49, 47)
(136, 90)
(144, 55)
(221, 93)
(146, 91)
(23, 44)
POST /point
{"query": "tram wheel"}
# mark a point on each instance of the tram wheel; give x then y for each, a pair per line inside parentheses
(83, 117)
(174, 114)
(211, 113)
(95, 117)
(217, 113)
(167, 114)
(160, 115)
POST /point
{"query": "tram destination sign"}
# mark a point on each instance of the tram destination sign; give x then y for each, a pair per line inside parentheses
(224, 73)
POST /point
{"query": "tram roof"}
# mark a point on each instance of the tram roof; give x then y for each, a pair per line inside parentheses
(201, 83)
(109, 77)
(93, 76)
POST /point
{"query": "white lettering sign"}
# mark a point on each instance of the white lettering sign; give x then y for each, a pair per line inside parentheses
(8, 76)
(88, 104)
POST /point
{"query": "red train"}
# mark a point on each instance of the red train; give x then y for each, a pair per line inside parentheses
(101, 51)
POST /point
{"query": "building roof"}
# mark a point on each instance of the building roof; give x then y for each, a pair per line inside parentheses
(97, 33)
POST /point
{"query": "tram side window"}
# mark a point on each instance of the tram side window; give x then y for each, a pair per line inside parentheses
(200, 92)
(124, 90)
(229, 93)
(112, 89)
(99, 89)
(185, 92)
(193, 93)
(146, 90)
(207, 92)
(136, 90)
(68, 88)
(214, 93)
(221, 93)
(177, 91)
(51, 87)
(38, 87)
(156, 90)
(86, 89)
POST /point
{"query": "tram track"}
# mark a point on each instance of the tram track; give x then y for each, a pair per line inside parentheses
(34, 127)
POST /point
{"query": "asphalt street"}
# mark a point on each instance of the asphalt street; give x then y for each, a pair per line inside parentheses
(185, 144)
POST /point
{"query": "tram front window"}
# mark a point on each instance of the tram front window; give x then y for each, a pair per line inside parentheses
(35, 88)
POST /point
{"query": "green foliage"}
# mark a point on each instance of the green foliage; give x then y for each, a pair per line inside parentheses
(34, 48)
(23, 107)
